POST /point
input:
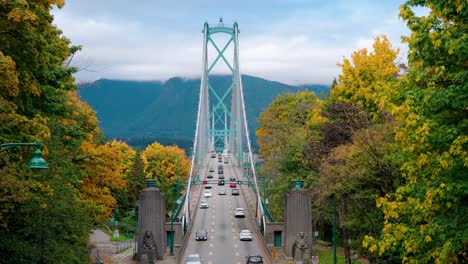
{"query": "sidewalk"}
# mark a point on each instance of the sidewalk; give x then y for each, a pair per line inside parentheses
(108, 251)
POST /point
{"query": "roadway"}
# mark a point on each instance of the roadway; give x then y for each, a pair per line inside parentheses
(223, 244)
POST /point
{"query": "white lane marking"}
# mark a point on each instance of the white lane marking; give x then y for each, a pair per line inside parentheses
(211, 253)
(237, 254)
(211, 244)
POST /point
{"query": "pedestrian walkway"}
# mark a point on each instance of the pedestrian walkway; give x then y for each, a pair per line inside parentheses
(109, 251)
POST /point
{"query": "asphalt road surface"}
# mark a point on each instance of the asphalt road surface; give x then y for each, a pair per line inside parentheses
(223, 245)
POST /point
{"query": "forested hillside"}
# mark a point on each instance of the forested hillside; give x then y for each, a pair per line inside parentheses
(132, 109)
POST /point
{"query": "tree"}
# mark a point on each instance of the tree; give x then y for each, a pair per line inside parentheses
(168, 165)
(282, 136)
(368, 79)
(106, 168)
(425, 219)
(357, 173)
(42, 218)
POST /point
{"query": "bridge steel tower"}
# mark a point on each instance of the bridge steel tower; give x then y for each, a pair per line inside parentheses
(225, 126)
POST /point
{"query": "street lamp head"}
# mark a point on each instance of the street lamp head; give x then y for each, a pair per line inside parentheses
(37, 161)
(298, 184)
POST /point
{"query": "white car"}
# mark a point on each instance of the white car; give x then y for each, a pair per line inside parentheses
(245, 235)
(204, 204)
(239, 212)
(207, 194)
(222, 192)
(193, 259)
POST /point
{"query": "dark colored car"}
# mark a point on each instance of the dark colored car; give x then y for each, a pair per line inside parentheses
(254, 259)
(221, 177)
(201, 235)
(232, 178)
(209, 176)
(220, 171)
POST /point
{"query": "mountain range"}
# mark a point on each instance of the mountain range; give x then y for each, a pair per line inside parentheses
(152, 110)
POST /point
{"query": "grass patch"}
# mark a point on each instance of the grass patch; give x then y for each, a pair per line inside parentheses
(327, 257)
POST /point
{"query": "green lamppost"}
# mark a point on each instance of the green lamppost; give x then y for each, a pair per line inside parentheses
(37, 161)
(334, 228)
(175, 187)
(171, 245)
(126, 227)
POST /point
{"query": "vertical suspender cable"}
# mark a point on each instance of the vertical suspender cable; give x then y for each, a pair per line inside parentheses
(200, 102)
(247, 132)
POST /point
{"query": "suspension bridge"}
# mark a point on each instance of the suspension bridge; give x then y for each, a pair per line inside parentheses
(222, 217)
(222, 141)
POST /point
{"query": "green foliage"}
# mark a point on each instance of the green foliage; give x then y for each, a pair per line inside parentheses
(344, 147)
(45, 217)
(425, 219)
(282, 138)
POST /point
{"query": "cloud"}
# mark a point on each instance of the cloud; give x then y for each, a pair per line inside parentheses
(298, 43)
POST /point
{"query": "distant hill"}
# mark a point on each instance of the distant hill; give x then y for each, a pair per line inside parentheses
(136, 110)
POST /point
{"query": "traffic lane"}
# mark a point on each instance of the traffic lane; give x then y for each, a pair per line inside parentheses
(244, 248)
(224, 237)
(200, 222)
(193, 246)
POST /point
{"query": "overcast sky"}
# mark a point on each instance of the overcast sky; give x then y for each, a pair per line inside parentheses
(291, 41)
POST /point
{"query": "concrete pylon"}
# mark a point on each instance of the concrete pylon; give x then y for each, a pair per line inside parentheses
(151, 222)
(297, 219)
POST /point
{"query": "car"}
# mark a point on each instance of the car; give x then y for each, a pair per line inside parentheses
(221, 176)
(207, 194)
(235, 191)
(245, 235)
(211, 170)
(201, 234)
(221, 192)
(226, 160)
(220, 159)
(254, 259)
(193, 259)
(203, 204)
(232, 178)
(221, 182)
(220, 167)
(209, 176)
(208, 186)
(233, 185)
(220, 171)
(239, 212)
